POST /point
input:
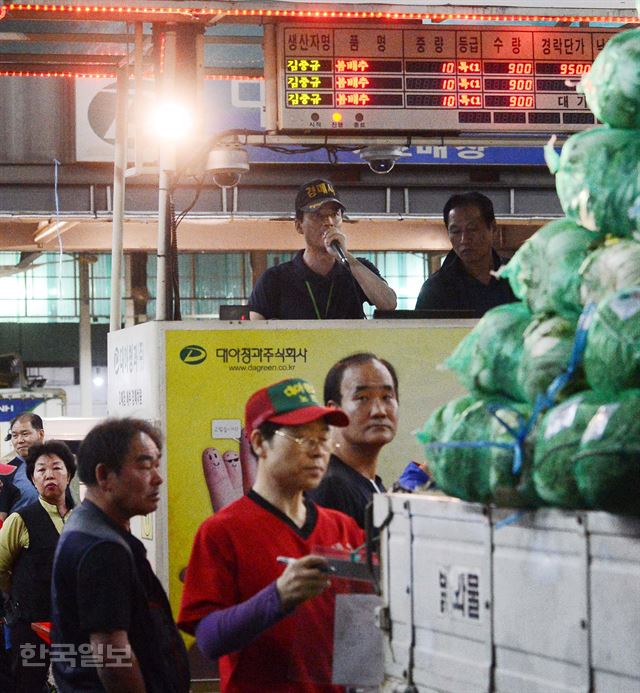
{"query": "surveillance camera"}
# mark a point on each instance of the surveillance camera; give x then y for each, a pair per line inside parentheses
(227, 165)
(381, 165)
(226, 179)
(382, 159)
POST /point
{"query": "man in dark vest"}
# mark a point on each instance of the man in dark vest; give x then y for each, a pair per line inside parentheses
(106, 599)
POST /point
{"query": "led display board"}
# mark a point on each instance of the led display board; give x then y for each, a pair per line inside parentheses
(361, 78)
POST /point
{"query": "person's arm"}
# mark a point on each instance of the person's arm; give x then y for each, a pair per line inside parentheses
(119, 671)
(375, 288)
(228, 630)
(14, 537)
(104, 602)
(263, 298)
(413, 476)
(379, 293)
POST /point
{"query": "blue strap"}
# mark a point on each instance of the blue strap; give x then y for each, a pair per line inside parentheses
(542, 403)
(509, 519)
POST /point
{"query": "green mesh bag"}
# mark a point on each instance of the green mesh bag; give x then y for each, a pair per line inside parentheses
(607, 464)
(445, 417)
(548, 344)
(509, 489)
(486, 360)
(472, 473)
(608, 269)
(612, 86)
(557, 440)
(598, 179)
(544, 270)
(612, 355)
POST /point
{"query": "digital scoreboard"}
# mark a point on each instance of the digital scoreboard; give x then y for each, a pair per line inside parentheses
(422, 79)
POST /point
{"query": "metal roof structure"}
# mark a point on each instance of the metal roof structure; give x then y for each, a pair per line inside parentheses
(79, 39)
(82, 38)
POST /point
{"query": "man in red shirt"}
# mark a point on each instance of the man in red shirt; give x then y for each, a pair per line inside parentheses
(257, 593)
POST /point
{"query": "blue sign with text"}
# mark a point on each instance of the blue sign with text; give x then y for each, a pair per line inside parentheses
(9, 408)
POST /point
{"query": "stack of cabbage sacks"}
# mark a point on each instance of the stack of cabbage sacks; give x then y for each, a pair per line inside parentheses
(541, 426)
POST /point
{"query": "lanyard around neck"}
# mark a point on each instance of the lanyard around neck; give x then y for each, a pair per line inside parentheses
(315, 304)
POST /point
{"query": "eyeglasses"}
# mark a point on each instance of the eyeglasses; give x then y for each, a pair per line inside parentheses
(307, 444)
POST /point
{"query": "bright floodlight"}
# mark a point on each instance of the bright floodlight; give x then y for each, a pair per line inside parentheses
(170, 119)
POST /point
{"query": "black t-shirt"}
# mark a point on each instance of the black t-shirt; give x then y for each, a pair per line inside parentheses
(292, 291)
(97, 589)
(453, 289)
(345, 489)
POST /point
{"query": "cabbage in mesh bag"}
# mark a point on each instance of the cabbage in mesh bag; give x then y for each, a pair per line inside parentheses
(607, 464)
(608, 269)
(548, 343)
(438, 424)
(612, 86)
(557, 440)
(475, 473)
(508, 488)
(486, 360)
(598, 179)
(544, 270)
(612, 354)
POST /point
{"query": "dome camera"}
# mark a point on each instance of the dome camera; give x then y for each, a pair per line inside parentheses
(227, 164)
(382, 159)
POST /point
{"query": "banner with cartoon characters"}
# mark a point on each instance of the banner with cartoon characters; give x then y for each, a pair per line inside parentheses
(211, 373)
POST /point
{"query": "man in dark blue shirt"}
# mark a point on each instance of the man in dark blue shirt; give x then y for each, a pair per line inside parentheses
(465, 280)
(323, 281)
(25, 431)
(366, 387)
(112, 624)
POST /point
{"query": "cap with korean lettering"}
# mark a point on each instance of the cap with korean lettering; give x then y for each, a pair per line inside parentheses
(291, 402)
(312, 195)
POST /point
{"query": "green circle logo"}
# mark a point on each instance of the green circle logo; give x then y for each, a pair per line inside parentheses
(193, 354)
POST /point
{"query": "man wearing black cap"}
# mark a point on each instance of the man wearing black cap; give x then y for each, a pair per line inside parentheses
(257, 592)
(323, 281)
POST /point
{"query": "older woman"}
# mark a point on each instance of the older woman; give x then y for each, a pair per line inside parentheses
(28, 541)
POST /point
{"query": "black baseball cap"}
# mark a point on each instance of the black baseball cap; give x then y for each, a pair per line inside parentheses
(312, 195)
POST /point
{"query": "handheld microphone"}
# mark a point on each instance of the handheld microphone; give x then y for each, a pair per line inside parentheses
(341, 255)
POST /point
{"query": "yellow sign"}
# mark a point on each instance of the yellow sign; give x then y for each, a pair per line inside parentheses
(205, 398)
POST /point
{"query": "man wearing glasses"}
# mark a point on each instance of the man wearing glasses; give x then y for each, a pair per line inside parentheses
(323, 281)
(257, 589)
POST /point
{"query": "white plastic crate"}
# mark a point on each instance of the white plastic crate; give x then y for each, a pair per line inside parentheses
(504, 601)
(540, 610)
(436, 572)
(614, 596)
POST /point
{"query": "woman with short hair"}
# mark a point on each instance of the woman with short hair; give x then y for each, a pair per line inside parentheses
(28, 542)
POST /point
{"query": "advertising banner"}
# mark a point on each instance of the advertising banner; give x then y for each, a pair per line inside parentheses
(211, 373)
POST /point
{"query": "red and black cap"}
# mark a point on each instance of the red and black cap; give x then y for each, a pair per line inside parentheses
(290, 402)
